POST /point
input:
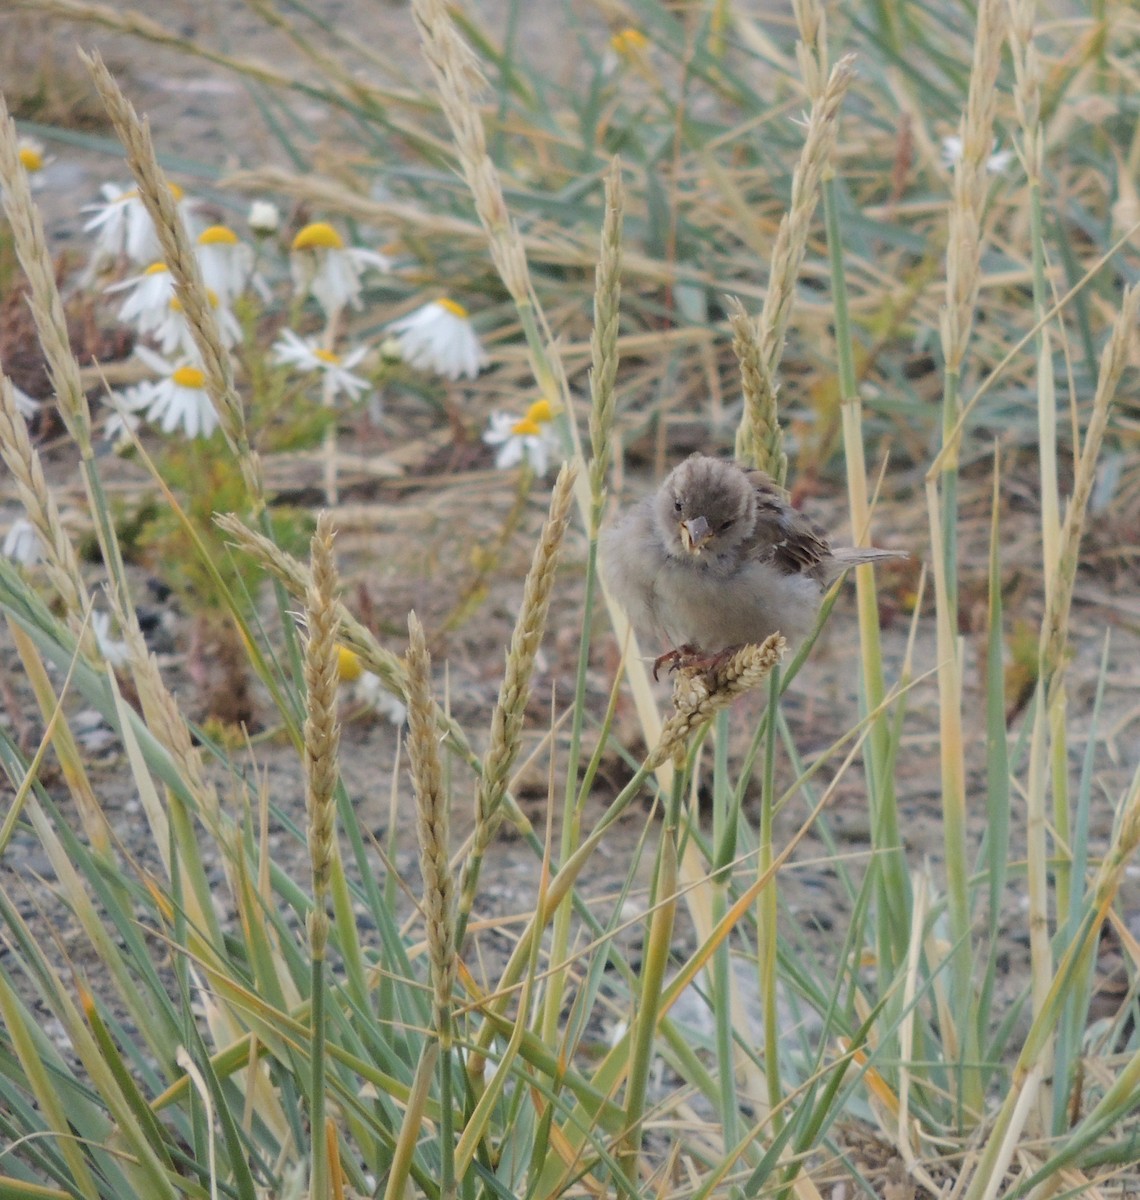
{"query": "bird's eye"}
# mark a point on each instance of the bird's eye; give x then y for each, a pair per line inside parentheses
(726, 524)
(677, 506)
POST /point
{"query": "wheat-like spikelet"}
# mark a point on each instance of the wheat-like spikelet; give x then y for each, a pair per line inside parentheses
(178, 254)
(297, 580)
(1027, 88)
(788, 254)
(23, 462)
(431, 826)
(460, 82)
(791, 238)
(1122, 342)
(964, 249)
(1124, 845)
(321, 734)
(759, 438)
(47, 306)
(698, 697)
(811, 49)
(507, 719)
(603, 340)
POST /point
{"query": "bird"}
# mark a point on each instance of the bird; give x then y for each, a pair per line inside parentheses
(717, 558)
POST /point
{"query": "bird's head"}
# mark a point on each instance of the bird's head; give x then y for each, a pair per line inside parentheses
(705, 506)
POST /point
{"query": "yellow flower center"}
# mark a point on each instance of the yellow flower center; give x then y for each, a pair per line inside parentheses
(327, 356)
(456, 310)
(31, 159)
(527, 427)
(188, 377)
(218, 235)
(156, 269)
(628, 42)
(133, 194)
(540, 412)
(211, 297)
(320, 235)
(348, 664)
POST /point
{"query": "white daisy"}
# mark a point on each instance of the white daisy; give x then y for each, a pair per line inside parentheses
(264, 218)
(148, 299)
(114, 652)
(439, 337)
(323, 265)
(173, 332)
(25, 405)
(952, 152)
(124, 418)
(369, 690)
(22, 544)
(124, 226)
(226, 261)
(531, 440)
(307, 355)
(179, 397)
(33, 159)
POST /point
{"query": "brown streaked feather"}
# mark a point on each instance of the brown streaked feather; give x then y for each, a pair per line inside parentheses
(784, 536)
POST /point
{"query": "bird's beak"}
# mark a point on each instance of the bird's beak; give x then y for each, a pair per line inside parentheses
(694, 534)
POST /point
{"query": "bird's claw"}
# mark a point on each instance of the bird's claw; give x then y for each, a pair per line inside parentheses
(685, 658)
(692, 659)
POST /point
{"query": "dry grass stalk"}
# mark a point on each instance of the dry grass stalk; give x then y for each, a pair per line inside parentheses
(178, 254)
(322, 734)
(164, 719)
(47, 306)
(460, 82)
(507, 719)
(1119, 349)
(604, 339)
(963, 252)
(137, 24)
(1027, 88)
(23, 462)
(431, 826)
(759, 439)
(791, 238)
(698, 697)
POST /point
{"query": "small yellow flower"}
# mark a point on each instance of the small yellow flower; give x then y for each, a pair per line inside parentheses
(348, 664)
(31, 154)
(629, 43)
(529, 439)
(226, 261)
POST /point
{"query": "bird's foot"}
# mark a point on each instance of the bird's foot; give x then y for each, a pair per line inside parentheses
(693, 661)
(676, 659)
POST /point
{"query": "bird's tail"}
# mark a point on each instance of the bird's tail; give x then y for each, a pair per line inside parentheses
(844, 557)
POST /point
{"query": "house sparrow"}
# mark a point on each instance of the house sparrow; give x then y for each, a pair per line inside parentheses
(717, 558)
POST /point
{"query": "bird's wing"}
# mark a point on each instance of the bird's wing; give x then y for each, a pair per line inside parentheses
(782, 535)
